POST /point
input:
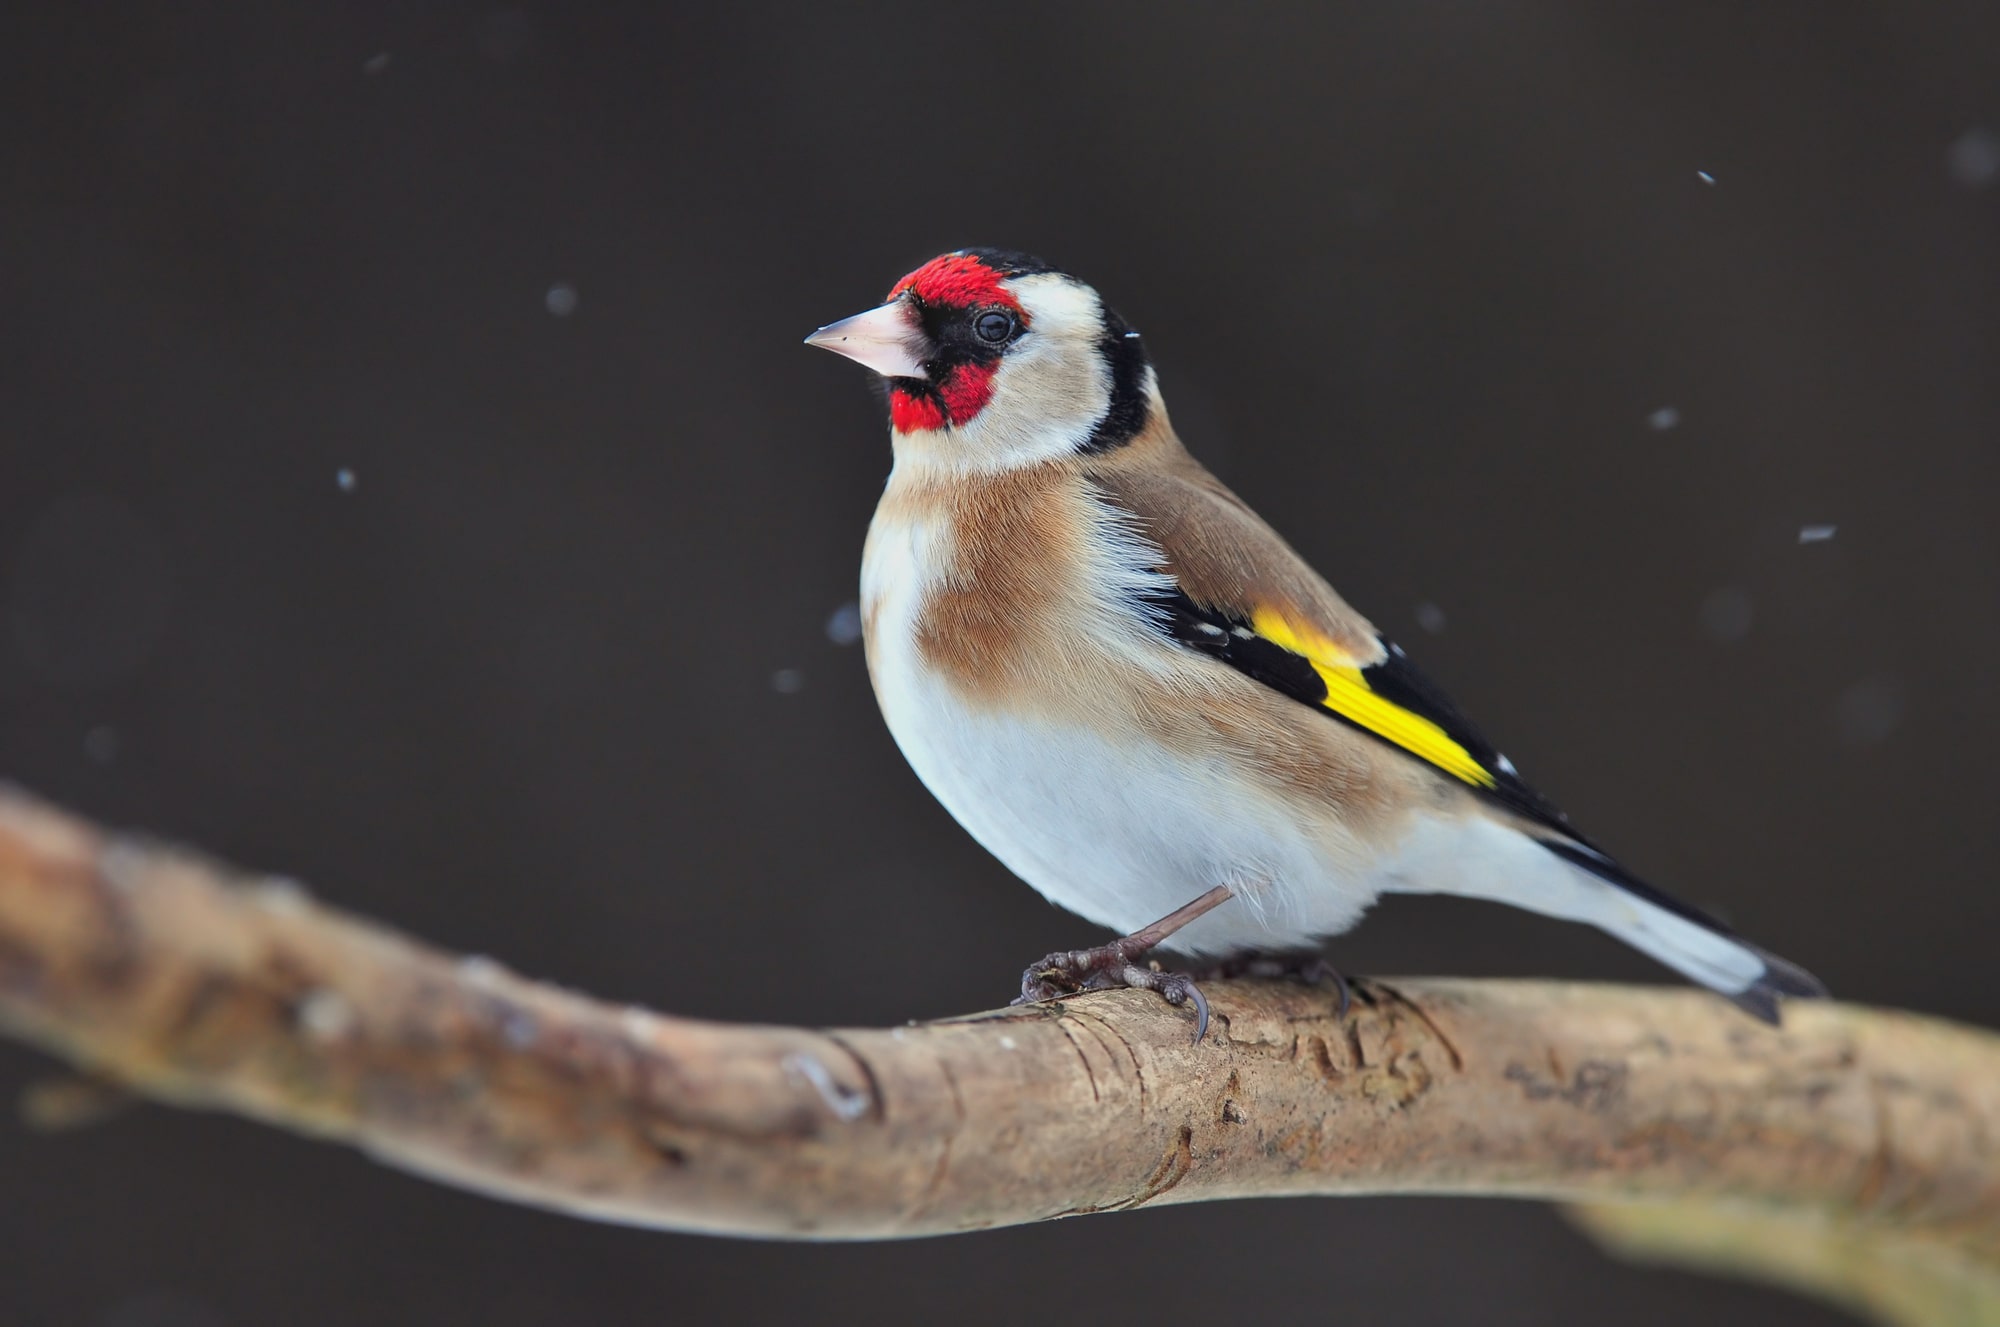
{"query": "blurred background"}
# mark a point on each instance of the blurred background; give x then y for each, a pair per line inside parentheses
(413, 483)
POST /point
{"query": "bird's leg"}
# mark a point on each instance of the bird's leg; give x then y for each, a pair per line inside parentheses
(1068, 971)
(1307, 966)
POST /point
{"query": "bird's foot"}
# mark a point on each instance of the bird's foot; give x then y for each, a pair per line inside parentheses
(1069, 971)
(1103, 968)
(1308, 967)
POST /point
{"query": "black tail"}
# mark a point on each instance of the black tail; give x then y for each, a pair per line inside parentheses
(1694, 943)
(1781, 977)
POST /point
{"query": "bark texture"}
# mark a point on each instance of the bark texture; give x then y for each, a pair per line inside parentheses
(191, 984)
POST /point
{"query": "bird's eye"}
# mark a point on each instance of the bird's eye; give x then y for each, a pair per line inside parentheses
(993, 326)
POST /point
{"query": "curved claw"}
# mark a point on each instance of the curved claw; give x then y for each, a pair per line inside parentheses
(1185, 989)
(1176, 988)
(1318, 970)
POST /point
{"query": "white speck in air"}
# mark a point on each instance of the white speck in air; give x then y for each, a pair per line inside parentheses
(1705, 177)
(1973, 159)
(846, 1105)
(1726, 614)
(1869, 711)
(1430, 617)
(1505, 766)
(561, 299)
(101, 744)
(325, 1015)
(345, 480)
(375, 64)
(844, 627)
(1816, 534)
(1664, 418)
(788, 681)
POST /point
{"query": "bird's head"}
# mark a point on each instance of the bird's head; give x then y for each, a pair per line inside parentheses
(995, 360)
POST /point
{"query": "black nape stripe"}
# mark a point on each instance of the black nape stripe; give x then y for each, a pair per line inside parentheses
(1126, 354)
(1117, 342)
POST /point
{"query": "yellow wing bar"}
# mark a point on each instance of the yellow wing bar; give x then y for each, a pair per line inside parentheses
(1349, 695)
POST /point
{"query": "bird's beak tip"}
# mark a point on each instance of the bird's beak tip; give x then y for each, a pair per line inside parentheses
(886, 339)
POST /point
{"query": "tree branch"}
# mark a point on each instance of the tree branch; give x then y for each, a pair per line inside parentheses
(166, 973)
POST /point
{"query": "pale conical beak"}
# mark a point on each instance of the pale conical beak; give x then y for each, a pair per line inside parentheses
(888, 340)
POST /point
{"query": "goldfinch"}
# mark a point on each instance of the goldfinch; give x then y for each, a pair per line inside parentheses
(1136, 695)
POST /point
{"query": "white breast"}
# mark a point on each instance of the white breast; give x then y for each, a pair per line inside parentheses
(1097, 818)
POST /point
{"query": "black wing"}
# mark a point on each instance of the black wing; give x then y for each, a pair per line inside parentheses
(1379, 699)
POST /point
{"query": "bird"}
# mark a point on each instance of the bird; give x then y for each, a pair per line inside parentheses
(1136, 695)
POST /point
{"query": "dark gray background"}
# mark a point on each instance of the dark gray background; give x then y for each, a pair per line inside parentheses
(1417, 277)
